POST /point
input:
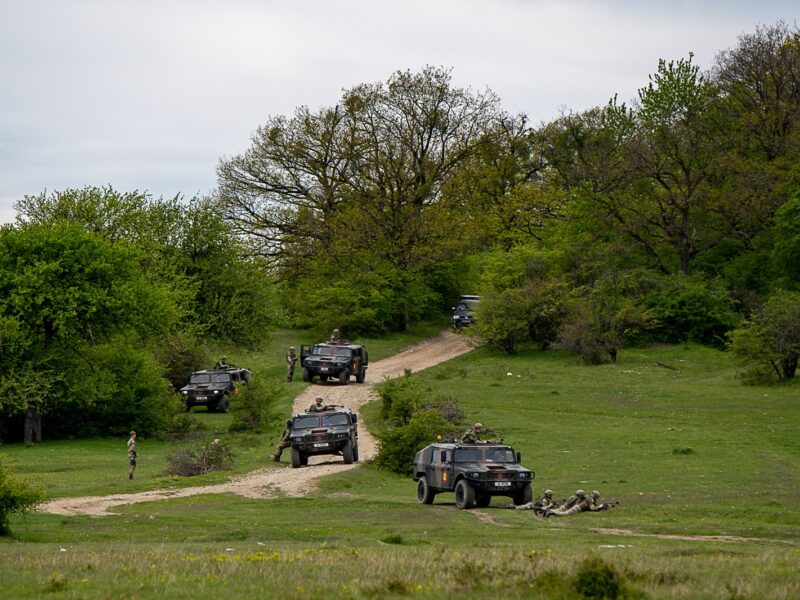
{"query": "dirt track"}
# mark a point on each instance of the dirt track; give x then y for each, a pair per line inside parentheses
(275, 480)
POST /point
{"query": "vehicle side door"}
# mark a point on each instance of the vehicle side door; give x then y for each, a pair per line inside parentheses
(440, 469)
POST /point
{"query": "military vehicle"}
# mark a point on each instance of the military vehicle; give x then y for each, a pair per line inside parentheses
(212, 388)
(464, 311)
(475, 472)
(332, 431)
(334, 361)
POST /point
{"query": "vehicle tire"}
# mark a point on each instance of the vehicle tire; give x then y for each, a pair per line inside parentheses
(347, 452)
(355, 452)
(344, 376)
(425, 494)
(188, 407)
(223, 405)
(307, 374)
(524, 495)
(361, 375)
(297, 458)
(483, 500)
(465, 494)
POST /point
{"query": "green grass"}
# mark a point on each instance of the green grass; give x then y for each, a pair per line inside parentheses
(669, 432)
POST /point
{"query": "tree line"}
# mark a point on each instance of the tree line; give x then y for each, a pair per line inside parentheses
(672, 217)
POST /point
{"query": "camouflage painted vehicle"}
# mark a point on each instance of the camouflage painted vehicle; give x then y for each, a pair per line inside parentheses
(212, 388)
(334, 361)
(333, 431)
(475, 472)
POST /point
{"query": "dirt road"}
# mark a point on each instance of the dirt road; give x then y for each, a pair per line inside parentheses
(275, 480)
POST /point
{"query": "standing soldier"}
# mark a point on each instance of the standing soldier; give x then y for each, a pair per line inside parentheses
(336, 337)
(291, 359)
(284, 443)
(132, 454)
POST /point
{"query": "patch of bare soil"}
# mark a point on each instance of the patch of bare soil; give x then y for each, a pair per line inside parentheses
(272, 480)
(689, 538)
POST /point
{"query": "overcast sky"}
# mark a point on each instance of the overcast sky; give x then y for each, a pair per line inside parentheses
(149, 95)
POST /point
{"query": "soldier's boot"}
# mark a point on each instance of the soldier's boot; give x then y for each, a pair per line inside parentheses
(130, 474)
(276, 457)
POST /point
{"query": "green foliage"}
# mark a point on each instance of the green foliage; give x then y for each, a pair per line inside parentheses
(768, 344)
(16, 496)
(597, 579)
(399, 445)
(254, 408)
(689, 309)
(401, 397)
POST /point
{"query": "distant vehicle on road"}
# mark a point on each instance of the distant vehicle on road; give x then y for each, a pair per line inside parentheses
(334, 361)
(212, 388)
(464, 311)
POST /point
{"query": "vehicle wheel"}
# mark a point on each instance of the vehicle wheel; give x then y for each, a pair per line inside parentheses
(347, 452)
(483, 500)
(524, 496)
(424, 493)
(306, 374)
(355, 452)
(223, 405)
(297, 458)
(344, 376)
(188, 407)
(465, 494)
(361, 376)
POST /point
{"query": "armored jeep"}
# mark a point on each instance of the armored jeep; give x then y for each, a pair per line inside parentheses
(464, 311)
(212, 388)
(334, 361)
(333, 431)
(475, 472)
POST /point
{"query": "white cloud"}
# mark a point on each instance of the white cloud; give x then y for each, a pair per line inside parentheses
(149, 94)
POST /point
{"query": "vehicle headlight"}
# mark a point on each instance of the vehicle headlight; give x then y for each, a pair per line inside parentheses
(297, 439)
(216, 391)
(524, 475)
(184, 392)
(474, 475)
(341, 436)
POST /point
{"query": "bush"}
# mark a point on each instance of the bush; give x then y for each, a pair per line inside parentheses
(184, 426)
(200, 458)
(400, 398)
(253, 408)
(16, 496)
(397, 447)
(597, 579)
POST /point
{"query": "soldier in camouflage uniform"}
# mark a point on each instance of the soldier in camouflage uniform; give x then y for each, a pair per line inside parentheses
(473, 436)
(583, 504)
(283, 443)
(336, 337)
(318, 406)
(291, 359)
(132, 454)
(540, 505)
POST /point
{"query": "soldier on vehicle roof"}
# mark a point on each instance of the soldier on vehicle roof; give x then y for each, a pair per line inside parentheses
(222, 363)
(318, 406)
(475, 435)
(336, 337)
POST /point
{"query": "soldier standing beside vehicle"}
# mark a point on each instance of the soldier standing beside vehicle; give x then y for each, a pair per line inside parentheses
(132, 454)
(284, 442)
(291, 359)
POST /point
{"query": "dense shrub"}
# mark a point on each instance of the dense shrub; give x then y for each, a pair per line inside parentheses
(597, 579)
(16, 496)
(400, 398)
(398, 446)
(253, 408)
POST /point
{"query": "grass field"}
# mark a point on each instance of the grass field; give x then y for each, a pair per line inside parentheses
(669, 432)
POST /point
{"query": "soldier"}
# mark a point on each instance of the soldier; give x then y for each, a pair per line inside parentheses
(222, 363)
(475, 435)
(132, 454)
(291, 359)
(336, 337)
(581, 505)
(538, 506)
(283, 443)
(318, 406)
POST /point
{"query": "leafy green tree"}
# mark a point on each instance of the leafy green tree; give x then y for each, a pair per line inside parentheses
(769, 342)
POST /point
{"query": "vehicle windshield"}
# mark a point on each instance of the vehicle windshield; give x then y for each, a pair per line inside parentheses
(306, 422)
(331, 351)
(200, 378)
(489, 455)
(336, 419)
(221, 378)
